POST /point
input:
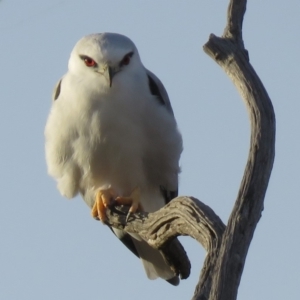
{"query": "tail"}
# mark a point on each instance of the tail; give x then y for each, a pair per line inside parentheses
(154, 263)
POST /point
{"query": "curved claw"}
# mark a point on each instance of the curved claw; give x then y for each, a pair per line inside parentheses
(128, 216)
(133, 200)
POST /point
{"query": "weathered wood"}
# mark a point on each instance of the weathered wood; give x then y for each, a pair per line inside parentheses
(227, 247)
(230, 54)
(182, 216)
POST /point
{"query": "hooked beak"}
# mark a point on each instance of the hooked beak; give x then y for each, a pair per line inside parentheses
(109, 73)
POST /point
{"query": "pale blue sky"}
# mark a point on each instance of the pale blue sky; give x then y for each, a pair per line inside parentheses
(50, 247)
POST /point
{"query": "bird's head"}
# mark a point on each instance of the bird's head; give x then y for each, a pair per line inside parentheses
(104, 54)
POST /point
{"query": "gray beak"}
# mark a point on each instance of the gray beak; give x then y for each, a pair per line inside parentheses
(109, 73)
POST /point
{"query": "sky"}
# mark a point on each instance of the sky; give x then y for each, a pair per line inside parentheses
(50, 247)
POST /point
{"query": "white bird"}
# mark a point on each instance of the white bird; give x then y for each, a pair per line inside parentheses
(111, 134)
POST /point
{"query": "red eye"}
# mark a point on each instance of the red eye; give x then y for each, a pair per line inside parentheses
(89, 62)
(126, 60)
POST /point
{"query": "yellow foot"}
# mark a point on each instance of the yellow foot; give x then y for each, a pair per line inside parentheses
(133, 200)
(103, 199)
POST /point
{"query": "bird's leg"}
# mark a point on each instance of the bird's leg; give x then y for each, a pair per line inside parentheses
(133, 200)
(104, 198)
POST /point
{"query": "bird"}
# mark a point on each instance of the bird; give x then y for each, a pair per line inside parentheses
(111, 136)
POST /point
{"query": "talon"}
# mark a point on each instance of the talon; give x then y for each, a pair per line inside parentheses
(133, 200)
(128, 216)
(104, 198)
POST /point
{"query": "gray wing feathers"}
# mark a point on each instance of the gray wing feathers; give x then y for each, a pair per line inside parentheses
(157, 88)
(154, 263)
(152, 260)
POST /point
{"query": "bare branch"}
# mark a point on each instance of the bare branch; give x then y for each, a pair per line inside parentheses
(182, 216)
(229, 53)
(235, 16)
(227, 247)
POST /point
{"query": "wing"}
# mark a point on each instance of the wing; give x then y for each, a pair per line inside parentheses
(126, 239)
(157, 89)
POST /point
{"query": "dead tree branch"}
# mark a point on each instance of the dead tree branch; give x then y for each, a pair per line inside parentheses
(227, 247)
(182, 216)
(230, 54)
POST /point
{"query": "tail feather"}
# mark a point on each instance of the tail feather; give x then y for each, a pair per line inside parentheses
(154, 263)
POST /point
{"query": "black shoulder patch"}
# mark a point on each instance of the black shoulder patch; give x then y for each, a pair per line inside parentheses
(155, 90)
(168, 195)
(57, 91)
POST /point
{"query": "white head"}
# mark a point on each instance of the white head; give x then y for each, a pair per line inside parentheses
(107, 55)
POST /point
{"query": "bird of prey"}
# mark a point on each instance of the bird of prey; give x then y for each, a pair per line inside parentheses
(111, 136)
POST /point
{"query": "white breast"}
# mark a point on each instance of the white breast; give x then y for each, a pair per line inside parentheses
(112, 140)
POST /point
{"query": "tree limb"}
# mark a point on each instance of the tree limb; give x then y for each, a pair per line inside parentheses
(227, 247)
(182, 216)
(229, 53)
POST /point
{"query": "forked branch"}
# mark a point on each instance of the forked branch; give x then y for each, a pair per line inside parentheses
(227, 247)
(228, 51)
